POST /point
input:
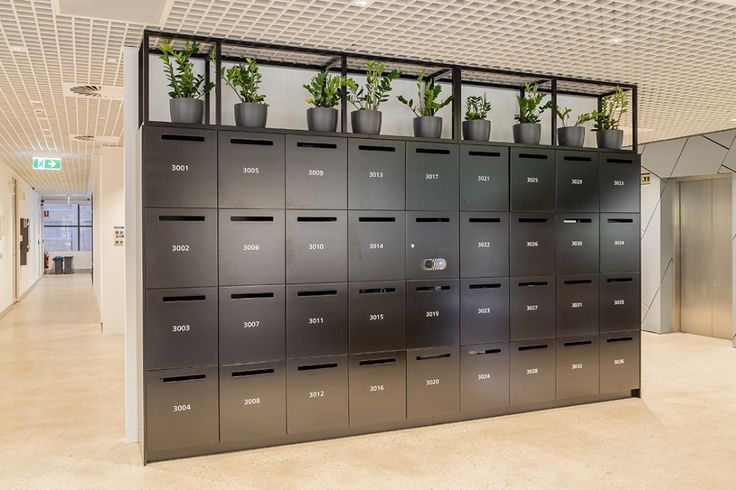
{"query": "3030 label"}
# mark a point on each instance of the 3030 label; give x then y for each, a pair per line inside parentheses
(577, 243)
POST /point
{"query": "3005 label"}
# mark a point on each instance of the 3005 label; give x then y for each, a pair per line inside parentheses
(251, 170)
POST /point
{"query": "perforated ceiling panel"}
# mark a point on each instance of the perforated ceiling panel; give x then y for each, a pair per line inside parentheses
(680, 52)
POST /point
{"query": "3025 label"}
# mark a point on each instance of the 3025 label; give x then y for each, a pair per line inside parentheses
(532, 180)
(619, 302)
(180, 248)
(179, 168)
(182, 408)
(181, 328)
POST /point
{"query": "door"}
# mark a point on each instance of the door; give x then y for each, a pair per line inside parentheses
(16, 240)
(705, 257)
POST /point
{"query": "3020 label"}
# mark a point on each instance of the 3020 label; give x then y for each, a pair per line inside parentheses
(433, 382)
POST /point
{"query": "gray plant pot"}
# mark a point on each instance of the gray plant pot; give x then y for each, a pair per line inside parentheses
(186, 110)
(477, 130)
(322, 119)
(571, 136)
(610, 139)
(527, 133)
(251, 115)
(428, 127)
(366, 121)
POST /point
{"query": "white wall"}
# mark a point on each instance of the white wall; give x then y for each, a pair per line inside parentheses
(6, 238)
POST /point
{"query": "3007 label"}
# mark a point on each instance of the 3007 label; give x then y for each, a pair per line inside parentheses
(252, 324)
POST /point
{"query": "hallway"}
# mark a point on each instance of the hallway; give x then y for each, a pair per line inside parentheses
(62, 424)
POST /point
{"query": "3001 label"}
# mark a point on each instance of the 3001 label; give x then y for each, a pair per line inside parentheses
(179, 168)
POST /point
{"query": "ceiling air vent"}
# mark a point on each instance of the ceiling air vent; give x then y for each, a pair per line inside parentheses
(84, 137)
(103, 140)
(93, 91)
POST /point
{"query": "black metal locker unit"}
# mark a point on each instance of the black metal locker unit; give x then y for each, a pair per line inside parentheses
(316, 394)
(432, 176)
(577, 181)
(432, 382)
(316, 246)
(484, 178)
(376, 244)
(620, 177)
(432, 245)
(432, 313)
(377, 388)
(316, 320)
(376, 174)
(577, 305)
(316, 172)
(484, 310)
(484, 244)
(377, 313)
(577, 366)
(532, 180)
(532, 244)
(577, 242)
(484, 376)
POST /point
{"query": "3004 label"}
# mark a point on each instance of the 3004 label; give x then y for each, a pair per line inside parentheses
(182, 408)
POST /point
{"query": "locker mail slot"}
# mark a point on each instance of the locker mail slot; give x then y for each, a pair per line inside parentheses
(532, 244)
(432, 386)
(180, 248)
(317, 394)
(316, 172)
(250, 170)
(620, 188)
(620, 361)
(432, 176)
(484, 178)
(316, 246)
(577, 181)
(180, 328)
(316, 320)
(577, 367)
(252, 324)
(181, 409)
(376, 174)
(179, 167)
(376, 245)
(377, 388)
(484, 310)
(484, 244)
(620, 299)
(484, 377)
(532, 307)
(252, 247)
(577, 305)
(432, 313)
(577, 243)
(377, 316)
(432, 245)
(252, 402)
(532, 372)
(620, 242)
(532, 180)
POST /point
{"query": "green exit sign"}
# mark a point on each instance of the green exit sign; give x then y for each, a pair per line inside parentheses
(46, 163)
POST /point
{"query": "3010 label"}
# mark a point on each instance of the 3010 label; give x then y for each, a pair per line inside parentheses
(316, 246)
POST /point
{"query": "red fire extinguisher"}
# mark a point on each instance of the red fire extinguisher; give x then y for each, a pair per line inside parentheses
(46, 260)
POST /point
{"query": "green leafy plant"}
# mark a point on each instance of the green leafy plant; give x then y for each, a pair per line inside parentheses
(564, 115)
(612, 108)
(530, 104)
(325, 89)
(182, 80)
(244, 79)
(428, 98)
(376, 88)
(476, 107)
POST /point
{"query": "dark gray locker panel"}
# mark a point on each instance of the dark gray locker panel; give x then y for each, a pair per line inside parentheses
(316, 320)
(181, 409)
(484, 178)
(376, 174)
(532, 244)
(377, 316)
(620, 300)
(377, 388)
(484, 310)
(577, 366)
(532, 371)
(432, 382)
(432, 313)
(484, 244)
(252, 246)
(376, 245)
(532, 179)
(620, 361)
(179, 167)
(316, 246)
(180, 248)
(532, 307)
(577, 305)
(252, 402)
(577, 181)
(620, 180)
(252, 324)
(620, 238)
(317, 394)
(432, 245)
(432, 176)
(484, 376)
(251, 170)
(180, 328)
(316, 172)
(577, 242)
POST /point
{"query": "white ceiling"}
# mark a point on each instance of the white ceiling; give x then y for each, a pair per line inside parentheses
(680, 52)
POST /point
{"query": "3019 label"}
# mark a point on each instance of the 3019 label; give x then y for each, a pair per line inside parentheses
(432, 314)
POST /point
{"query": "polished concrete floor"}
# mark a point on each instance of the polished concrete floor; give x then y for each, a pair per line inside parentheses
(61, 424)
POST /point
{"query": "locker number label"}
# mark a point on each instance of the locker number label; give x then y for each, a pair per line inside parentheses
(315, 172)
(432, 314)
(532, 371)
(182, 408)
(576, 181)
(577, 304)
(619, 243)
(484, 311)
(618, 183)
(433, 382)
(252, 324)
(317, 320)
(377, 317)
(251, 170)
(532, 180)
(179, 167)
(618, 302)
(316, 246)
(618, 362)
(374, 174)
(577, 366)
(532, 244)
(375, 246)
(532, 307)
(484, 178)
(180, 248)
(577, 243)
(317, 394)
(180, 328)
(251, 247)
(432, 177)
(484, 244)
(252, 401)
(374, 388)
(484, 376)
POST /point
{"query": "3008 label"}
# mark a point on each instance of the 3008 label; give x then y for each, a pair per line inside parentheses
(251, 247)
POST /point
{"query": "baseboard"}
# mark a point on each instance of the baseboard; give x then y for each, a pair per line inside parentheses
(6, 310)
(29, 289)
(132, 434)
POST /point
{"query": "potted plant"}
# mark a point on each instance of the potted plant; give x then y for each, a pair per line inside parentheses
(607, 120)
(366, 119)
(528, 130)
(325, 91)
(426, 123)
(244, 79)
(571, 135)
(187, 88)
(476, 127)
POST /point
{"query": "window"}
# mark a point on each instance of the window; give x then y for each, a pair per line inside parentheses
(67, 227)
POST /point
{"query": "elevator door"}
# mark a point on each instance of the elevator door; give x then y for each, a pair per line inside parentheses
(705, 257)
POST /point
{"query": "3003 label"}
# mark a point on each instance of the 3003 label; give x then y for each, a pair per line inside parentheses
(180, 328)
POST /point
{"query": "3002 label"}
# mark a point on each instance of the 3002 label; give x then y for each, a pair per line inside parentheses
(180, 248)
(182, 408)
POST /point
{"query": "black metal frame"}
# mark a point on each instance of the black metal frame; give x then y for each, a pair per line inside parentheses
(342, 57)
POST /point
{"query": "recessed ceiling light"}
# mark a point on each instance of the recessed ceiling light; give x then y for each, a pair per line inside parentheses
(615, 40)
(18, 49)
(111, 60)
(733, 120)
(361, 3)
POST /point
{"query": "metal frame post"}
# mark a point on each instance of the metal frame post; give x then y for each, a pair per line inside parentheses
(553, 138)
(344, 96)
(218, 82)
(634, 120)
(457, 104)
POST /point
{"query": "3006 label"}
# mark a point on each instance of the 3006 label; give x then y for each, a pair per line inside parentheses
(252, 324)
(182, 408)
(180, 248)
(252, 401)
(432, 314)
(314, 172)
(179, 168)
(432, 382)
(181, 328)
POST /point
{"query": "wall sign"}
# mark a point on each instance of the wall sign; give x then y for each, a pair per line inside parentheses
(645, 179)
(42, 163)
(119, 236)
